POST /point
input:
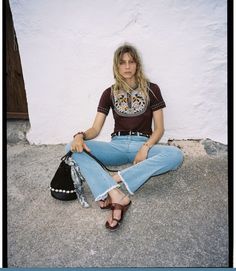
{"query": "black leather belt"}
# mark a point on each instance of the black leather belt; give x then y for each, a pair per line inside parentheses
(129, 133)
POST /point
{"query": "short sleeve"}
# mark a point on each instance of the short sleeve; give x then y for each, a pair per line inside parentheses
(156, 100)
(105, 102)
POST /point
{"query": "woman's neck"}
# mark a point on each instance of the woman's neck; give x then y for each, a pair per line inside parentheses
(132, 83)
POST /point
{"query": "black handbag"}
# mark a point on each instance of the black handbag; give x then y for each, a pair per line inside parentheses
(67, 183)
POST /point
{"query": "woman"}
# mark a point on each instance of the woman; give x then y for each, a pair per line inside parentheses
(135, 102)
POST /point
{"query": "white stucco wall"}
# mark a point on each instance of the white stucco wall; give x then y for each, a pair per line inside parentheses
(67, 46)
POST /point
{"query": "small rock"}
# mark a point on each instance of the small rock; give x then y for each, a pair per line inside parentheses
(214, 148)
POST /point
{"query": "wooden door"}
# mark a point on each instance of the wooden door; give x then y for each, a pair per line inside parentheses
(15, 88)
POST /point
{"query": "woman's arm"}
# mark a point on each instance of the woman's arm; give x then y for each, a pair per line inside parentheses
(158, 128)
(78, 143)
(154, 138)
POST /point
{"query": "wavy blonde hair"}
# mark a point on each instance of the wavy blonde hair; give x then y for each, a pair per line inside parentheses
(140, 78)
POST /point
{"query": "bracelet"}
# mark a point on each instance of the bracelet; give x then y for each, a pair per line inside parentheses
(80, 133)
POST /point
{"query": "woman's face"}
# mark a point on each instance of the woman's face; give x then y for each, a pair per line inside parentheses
(127, 67)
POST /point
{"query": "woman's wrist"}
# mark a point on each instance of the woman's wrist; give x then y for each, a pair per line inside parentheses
(146, 146)
(81, 134)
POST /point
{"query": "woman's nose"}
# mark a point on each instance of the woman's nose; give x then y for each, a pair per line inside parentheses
(127, 65)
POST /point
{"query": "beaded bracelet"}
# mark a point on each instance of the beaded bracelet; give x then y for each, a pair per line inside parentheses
(80, 133)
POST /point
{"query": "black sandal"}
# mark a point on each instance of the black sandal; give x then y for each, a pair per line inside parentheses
(117, 206)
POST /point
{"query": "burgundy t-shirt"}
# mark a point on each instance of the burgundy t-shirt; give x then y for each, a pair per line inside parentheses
(131, 112)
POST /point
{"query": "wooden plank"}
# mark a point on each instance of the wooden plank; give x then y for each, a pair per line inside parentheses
(17, 115)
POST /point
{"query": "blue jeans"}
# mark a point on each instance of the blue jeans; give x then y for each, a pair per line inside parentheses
(122, 150)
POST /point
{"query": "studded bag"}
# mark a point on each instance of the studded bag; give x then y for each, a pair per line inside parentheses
(67, 183)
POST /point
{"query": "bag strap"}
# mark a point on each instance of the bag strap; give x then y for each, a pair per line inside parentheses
(91, 155)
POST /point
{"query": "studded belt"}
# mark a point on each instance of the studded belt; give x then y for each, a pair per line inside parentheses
(123, 133)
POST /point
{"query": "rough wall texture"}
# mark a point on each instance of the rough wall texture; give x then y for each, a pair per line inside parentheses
(67, 48)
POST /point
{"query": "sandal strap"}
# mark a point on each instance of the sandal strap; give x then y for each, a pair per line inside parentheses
(106, 201)
(117, 206)
(117, 220)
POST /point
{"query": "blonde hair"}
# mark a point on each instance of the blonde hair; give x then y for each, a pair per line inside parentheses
(140, 78)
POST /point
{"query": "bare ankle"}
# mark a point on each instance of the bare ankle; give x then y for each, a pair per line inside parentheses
(118, 197)
(117, 178)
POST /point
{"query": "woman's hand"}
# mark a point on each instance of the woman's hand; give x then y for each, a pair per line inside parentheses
(141, 155)
(78, 144)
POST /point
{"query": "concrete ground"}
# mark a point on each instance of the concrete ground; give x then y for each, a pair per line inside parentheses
(178, 219)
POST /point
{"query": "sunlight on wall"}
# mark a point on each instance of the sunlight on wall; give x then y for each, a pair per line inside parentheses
(67, 48)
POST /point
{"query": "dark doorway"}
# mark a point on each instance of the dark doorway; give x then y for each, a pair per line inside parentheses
(15, 88)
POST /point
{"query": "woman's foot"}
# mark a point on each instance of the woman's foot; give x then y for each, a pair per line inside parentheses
(117, 178)
(115, 207)
(106, 203)
(120, 203)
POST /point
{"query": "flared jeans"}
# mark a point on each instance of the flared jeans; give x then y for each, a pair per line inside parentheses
(122, 150)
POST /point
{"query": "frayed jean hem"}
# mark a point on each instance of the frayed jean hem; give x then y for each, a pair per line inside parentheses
(104, 195)
(126, 185)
